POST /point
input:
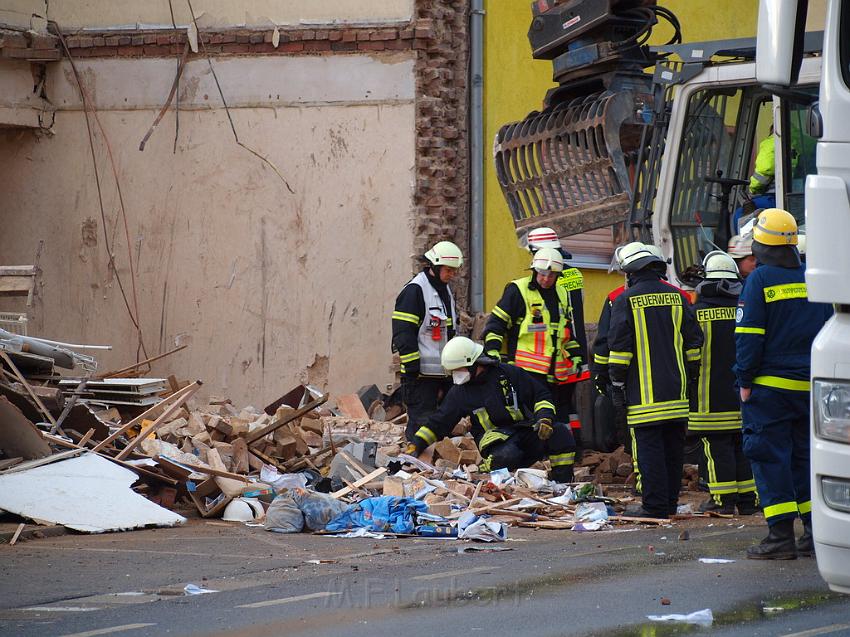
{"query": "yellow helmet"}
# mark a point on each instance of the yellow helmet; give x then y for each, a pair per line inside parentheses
(775, 227)
(460, 352)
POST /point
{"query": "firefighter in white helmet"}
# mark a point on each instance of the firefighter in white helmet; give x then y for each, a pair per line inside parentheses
(572, 281)
(741, 249)
(654, 350)
(512, 415)
(715, 408)
(423, 321)
(532, 323)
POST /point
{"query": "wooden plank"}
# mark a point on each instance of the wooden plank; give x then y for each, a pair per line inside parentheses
(628, 518)
(145, 415)
(27, 386)
(209, 471)
(17, 534)
(257, 435)
(129, 368)
(17, 270)
(9, 462)
(359, 483)
(177, 404)
(352, 407)
(355, 464)
(32, 464)
(15, 285)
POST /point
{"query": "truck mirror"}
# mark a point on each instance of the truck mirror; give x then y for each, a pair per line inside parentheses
(779, 47)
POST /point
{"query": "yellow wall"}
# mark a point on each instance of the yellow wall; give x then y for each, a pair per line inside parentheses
(515, 84)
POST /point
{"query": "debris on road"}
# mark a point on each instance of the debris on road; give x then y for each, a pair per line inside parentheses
(701, 618)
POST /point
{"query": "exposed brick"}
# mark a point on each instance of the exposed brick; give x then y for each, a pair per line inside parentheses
(349, 36)
(150, 38)
(419, 44)
(407, 34)
(370, 46)
(243, 38)
(227, 38)
(363, 36)
(343, 46)
(317, 45)
(384, 34)
(309, 34)
(396, 45)
(124, 40)
(18, 41)
(322, 34)
(98, 40)
(291, 47)
(236, 47)
(256, 38)
(127, 51)
(87, 42)
(137, 40)
(263, 47)
(162, 40)
(334, 36)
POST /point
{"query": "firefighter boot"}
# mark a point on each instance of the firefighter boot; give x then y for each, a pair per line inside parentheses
(747, 505)
(725, 507)
(563, 474)
(806, 543)
(778, 545)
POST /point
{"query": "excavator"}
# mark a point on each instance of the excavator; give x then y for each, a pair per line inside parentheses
(657, 142)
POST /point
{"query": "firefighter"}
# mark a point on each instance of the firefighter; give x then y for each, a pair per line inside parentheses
(715, 409)
(762, 183)
(423, 321)
(513, 418)
(654, 343)
(572, 281)
(534, 323)
(775, 328)
(741, 249)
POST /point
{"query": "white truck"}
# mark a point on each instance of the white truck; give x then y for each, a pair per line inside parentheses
(667, 158)
(827, 207)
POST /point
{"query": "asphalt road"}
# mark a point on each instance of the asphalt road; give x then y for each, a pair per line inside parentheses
(548, 583)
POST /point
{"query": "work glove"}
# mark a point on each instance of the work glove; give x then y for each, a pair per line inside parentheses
(543, 427)
(416, 447)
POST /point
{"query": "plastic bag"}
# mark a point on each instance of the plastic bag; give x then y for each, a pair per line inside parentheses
(385, 513)
(318, 508)
(284, 516)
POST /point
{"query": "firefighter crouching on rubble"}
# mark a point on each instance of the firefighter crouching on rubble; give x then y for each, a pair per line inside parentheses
(775, 327)
(572, 281)
(715, 409)
(534, 322)
(654, 343)
(423, 321)
(512, 415)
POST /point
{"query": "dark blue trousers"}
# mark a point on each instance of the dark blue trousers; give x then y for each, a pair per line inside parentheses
(776, 442)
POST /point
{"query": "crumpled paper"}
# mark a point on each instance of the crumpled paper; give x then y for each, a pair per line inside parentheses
(701, 617)
(472, 527)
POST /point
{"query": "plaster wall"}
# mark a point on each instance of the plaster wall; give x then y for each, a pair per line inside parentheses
(267, 287)
(219, 13)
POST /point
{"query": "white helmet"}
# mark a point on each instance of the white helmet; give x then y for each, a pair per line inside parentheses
(542, 238)
(719, 265)
(460, 352)
(740, 246)
(548, 260)
(635, 256)
(243, 510)
(801, 244)
(445, 253)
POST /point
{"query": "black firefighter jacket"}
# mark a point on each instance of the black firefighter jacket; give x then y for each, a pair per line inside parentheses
(654, 343)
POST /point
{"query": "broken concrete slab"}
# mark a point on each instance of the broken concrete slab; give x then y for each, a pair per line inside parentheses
(89, 494)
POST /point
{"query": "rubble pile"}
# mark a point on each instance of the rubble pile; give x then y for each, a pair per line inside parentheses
(307, 461)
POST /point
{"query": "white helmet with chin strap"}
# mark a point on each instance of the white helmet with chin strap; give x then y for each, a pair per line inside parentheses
(719, 265)
(460, 352)
(445, 253)
(548, 260)
(542, 238)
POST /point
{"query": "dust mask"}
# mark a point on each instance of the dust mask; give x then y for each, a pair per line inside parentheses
(461, 376)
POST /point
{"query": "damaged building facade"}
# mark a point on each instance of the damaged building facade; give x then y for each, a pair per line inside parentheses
(276, 259)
